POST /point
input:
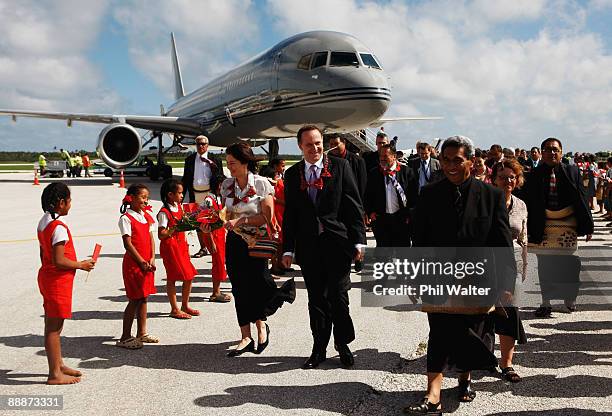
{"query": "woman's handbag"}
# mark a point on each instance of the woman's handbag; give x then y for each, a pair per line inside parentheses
(267, 246)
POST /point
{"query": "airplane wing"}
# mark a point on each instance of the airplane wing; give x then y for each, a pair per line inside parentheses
(157, 123)
(384, 120)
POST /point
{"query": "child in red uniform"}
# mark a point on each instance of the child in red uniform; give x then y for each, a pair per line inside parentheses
(55, 277)
(174, 249)
(217, 253)
(137, 227)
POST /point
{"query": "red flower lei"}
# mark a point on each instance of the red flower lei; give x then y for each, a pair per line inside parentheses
(319, 182)
(389, 172)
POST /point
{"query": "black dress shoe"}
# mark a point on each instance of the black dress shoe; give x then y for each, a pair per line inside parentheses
(346, 356)
(313, 361)
(262, 345)
(236, 352)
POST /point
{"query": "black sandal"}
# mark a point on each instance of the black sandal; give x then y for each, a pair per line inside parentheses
(200, 253)
(510, 375)
(466, 392)
(424, 407)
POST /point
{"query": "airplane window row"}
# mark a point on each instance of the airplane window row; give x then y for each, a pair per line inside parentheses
(318, 59)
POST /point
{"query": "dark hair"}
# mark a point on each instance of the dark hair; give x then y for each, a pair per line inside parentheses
(424, 146)
(133, 190)
(459, 142)
(336, 136)
(610, 160)
(304, 129)
(267, 171)
(535, 148)
(169, 185)
(496, 147)
(391, 147)
(513, 164)
(275, 162)
(242, 152)
(551, 139)
(480, 153)
(52, 195)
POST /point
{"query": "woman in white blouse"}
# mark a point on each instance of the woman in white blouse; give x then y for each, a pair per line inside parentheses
(508, 176)
(249, 201)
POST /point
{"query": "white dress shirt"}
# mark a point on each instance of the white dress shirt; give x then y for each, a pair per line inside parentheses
(424, 172)
(392, 204)
(202, 173)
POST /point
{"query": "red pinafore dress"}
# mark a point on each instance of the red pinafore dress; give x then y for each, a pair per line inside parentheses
(175, 250)
(55, 284)
(219, 273)
(139, 284)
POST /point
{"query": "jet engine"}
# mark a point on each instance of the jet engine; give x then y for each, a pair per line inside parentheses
(119, 145)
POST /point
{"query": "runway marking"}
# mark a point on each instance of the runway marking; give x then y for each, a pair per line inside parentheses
(74, 236)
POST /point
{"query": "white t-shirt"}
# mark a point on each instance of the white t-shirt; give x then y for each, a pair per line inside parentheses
(162, 218)
(59, 234)
(125, 226)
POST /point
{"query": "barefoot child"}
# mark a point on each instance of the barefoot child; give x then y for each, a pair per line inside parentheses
(217, 252)
(55, 277)
(137, 227)
(174, 249)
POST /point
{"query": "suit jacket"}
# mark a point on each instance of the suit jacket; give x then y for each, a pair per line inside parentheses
(371, 160)
(216, 178)
(484, 223)
(376, 191)
(534, 195)
(529, 163)
(338, 208)
(360, 173)
(435, 170)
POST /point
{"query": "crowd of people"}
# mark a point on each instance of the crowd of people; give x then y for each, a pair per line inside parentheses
(318, 211)
(76, 164)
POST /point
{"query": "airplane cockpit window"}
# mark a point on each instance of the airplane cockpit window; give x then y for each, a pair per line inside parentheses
(319, 59)
(369, 60)
(343, 59)
(304, 62)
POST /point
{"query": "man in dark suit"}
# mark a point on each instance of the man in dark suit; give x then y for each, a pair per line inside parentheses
(534, 160)
(390, 194)
(202, 175)
(323, 226)
(459, 211)
(427, 169)
(371, 158)
(337, 144)
(554, 186)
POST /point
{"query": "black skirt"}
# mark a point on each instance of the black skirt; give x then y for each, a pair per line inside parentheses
(511, 326)
(460, 342)
(255, 293)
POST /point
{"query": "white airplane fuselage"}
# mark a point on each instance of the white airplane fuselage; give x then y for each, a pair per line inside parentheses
(269, 96)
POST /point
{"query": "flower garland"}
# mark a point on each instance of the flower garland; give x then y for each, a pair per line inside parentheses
(318, 183)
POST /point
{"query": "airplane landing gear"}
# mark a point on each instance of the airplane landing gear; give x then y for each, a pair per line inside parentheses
(161, 169)
(273, 149)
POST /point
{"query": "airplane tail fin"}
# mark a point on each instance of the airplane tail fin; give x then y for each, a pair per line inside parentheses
(176, 69)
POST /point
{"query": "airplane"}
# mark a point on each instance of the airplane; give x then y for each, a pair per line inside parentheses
(325, 78)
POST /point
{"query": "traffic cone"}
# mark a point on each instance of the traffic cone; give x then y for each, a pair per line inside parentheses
(36, 182)
(121, 180)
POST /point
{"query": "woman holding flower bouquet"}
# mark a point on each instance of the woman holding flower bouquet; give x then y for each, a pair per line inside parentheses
(248, 199)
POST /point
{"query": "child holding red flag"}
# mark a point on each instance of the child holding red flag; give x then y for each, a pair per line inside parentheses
(174, 249)
(137, 227)
(56, 276)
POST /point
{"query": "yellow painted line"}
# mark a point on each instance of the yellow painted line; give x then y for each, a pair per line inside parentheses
(74, 236)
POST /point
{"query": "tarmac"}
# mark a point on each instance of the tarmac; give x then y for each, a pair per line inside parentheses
(566, 364)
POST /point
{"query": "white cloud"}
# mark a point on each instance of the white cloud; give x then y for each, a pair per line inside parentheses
(447, 58)
(44, 66)
(210, 36)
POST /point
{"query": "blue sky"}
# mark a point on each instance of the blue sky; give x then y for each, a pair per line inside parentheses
(511, 72)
